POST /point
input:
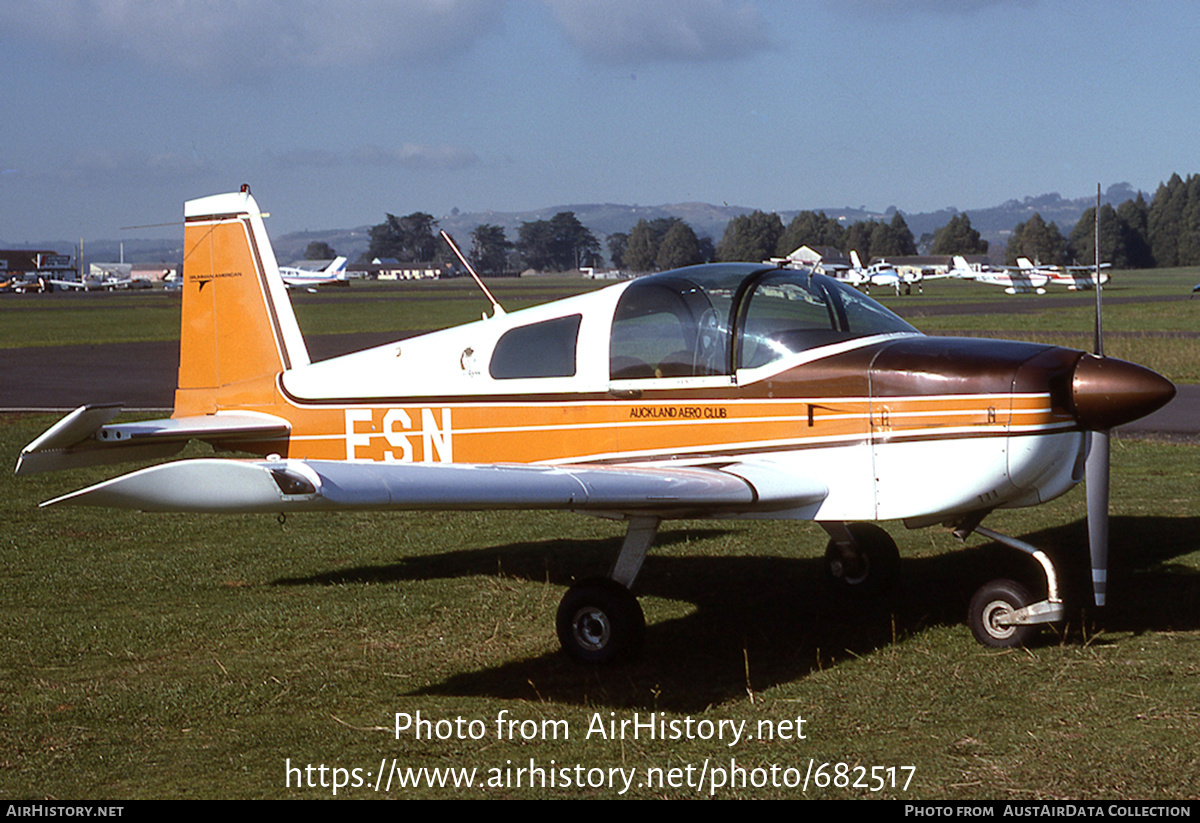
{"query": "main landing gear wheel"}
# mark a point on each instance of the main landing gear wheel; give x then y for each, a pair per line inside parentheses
(870, 567)
(992, 606)
(599, 621)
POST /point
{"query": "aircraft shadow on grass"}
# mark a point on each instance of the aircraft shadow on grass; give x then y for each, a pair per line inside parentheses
(763, 621)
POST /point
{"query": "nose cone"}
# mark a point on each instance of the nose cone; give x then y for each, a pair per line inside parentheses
(1106, 392)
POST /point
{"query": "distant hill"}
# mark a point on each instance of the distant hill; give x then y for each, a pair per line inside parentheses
(995, 224)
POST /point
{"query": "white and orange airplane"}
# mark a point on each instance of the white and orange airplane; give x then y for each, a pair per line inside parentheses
(1018, 280)
(1075, 278)
(722, 391)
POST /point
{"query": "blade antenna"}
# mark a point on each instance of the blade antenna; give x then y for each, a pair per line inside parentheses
(497, 309)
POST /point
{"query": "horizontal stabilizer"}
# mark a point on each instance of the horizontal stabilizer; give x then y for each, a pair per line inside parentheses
(217, 485)
(82, 438)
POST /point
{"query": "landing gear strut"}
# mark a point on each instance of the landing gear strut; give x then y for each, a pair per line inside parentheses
(599, 620)
(1003, 613)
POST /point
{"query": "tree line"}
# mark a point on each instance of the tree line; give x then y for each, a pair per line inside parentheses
(563, 243)
(557, 244)
(760, 236)
(1135, 235)
(1165, 232)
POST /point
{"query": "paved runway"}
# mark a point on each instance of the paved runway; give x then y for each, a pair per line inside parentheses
(142, 376)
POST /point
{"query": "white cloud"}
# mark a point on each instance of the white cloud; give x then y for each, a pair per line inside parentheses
(102, 166)
(408, 156)
(634, 31)
(248, 38)
(228, 37)
(417, 156)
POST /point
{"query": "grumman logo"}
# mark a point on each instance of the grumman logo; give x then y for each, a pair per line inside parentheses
(388, 435)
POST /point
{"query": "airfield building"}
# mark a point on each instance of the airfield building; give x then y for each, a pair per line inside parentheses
(47, 264)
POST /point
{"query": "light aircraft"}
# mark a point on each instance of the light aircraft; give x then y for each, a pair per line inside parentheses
(333, 274)
(98, 282)
(1075, 278)
(1014, 281)
(877, 274)
(24, 284)
(737, 390)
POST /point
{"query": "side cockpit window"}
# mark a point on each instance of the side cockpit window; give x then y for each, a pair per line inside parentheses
(668, 327)
(544, 349)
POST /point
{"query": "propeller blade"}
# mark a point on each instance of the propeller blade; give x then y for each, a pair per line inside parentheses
(1096, 467)
(1096, 476)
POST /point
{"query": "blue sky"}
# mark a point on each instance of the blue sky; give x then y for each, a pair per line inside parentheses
(337, 112)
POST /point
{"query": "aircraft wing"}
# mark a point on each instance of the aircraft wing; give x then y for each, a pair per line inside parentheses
(285, 485)
(82, 438)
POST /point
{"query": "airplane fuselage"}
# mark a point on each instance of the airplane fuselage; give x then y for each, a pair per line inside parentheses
(896, 424)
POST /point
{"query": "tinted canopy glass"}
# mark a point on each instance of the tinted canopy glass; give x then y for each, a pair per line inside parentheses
(683, 323)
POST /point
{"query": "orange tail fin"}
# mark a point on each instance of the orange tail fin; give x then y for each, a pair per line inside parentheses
(238, 330)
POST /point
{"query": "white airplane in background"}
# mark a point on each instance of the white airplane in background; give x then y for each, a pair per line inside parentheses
(1014, 281)
(877, 274)
(101, 282)
(333, 274)
(1075, 278)
(735, 390)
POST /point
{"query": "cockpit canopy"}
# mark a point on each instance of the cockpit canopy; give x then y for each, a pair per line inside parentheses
(713, 320)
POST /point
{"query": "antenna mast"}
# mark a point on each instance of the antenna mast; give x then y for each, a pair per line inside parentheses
(497, 309)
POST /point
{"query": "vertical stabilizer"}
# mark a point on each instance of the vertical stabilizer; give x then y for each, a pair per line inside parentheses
(238, 329)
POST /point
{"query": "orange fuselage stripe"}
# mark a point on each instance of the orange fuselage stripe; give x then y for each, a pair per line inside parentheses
(465, 431)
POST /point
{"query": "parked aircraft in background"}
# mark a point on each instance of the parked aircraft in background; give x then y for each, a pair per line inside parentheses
(1013, 281)
(103, 282)
(23, 285)
(333, 274)
(877, 274)
(717, 391)
(1075, 278)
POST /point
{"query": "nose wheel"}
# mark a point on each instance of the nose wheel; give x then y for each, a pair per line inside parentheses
(993, 615)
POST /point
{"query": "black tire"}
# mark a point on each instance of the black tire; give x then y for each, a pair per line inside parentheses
(599, 621)
(990, 604)
(871, 568)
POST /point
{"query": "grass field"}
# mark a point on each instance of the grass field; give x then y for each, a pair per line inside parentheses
(173, 656)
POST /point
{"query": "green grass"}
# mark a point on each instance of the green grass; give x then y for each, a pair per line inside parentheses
(191, 656)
